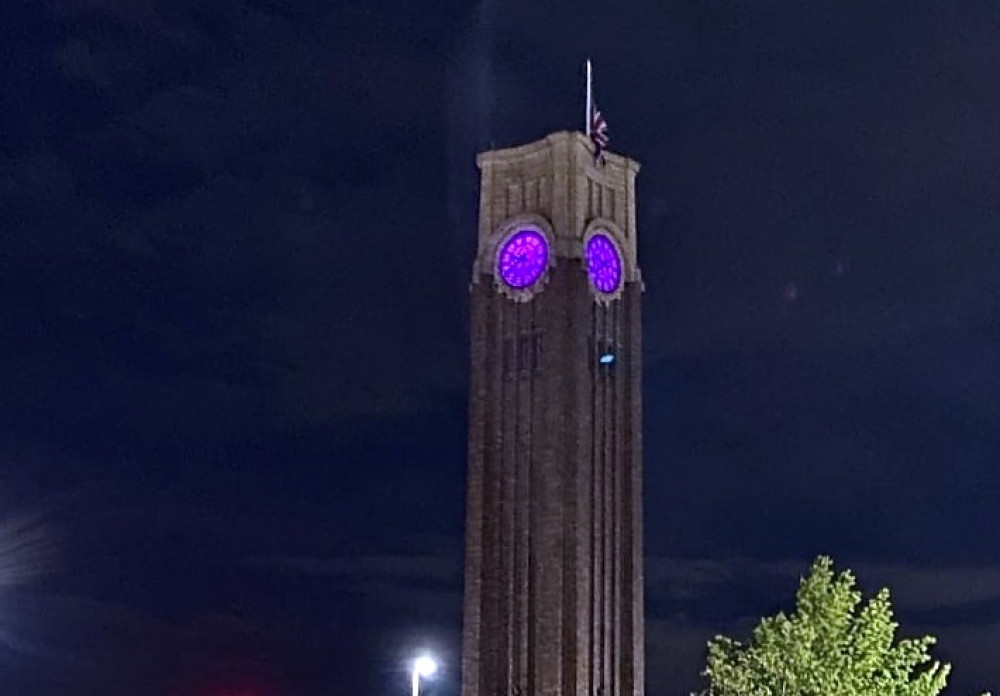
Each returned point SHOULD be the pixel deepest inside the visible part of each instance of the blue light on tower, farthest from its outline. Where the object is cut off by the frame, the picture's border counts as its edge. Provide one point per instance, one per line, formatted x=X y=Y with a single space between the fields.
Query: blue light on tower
x=607 y=359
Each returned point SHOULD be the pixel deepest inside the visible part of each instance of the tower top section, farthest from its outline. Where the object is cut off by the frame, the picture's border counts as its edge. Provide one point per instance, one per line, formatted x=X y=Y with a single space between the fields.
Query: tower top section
x=555 y=185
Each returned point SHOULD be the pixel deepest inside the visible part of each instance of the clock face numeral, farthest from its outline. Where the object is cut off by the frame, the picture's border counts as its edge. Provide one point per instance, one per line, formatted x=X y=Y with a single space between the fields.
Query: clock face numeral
x=523 y=258
x=604 y=263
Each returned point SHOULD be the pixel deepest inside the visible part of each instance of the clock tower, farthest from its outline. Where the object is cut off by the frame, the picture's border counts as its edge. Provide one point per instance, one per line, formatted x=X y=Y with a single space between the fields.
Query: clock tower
x=553 y=569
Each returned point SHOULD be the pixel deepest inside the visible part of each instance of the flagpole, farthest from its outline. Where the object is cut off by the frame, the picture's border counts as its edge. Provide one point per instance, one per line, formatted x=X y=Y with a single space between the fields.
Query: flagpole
x=590 y=100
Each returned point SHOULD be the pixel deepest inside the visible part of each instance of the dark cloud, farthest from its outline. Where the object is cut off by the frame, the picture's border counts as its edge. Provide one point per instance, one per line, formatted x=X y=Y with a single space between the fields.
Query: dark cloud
x=224 y=191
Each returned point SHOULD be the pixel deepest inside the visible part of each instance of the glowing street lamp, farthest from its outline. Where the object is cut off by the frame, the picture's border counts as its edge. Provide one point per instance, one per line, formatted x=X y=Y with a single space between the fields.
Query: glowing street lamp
x=423 y=666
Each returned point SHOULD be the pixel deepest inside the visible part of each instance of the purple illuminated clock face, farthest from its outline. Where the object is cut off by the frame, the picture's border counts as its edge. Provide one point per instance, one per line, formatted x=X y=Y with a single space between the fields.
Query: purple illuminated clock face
x=604 y=263
x=523 y=258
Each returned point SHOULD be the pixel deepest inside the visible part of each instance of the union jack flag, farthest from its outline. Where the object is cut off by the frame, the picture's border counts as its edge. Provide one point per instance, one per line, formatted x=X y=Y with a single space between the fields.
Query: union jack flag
x=599 y=135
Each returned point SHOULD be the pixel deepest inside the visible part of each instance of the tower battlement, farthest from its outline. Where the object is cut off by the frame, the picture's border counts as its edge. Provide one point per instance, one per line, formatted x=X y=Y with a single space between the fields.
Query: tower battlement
x=556 y=178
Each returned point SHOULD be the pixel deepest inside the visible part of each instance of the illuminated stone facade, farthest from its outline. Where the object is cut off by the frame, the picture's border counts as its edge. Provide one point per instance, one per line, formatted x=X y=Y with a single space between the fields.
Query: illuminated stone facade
x=553 y=574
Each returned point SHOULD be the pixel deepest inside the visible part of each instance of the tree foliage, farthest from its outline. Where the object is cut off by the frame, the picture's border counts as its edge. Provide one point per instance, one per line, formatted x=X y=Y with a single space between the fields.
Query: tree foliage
x=833 y=644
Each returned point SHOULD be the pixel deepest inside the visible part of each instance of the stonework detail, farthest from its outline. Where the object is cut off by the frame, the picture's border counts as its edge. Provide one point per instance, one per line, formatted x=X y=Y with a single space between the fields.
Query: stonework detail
x=571 y=192
x=553 y=574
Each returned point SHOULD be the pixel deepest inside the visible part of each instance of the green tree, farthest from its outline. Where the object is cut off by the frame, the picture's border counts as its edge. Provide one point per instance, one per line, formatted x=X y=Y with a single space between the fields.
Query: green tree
x=832 y=645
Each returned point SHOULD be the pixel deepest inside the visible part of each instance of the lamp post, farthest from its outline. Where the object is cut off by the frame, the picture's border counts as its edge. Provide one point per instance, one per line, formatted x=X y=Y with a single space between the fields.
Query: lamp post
x=423 y=666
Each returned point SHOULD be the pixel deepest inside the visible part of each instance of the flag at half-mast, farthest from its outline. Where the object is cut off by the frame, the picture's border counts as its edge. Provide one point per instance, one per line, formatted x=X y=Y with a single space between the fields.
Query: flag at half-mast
x=599 y=134
x=597 y=126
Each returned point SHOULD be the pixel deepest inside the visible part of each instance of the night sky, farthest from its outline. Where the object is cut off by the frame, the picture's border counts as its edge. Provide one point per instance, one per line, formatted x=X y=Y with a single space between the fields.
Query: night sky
x=235 y=245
